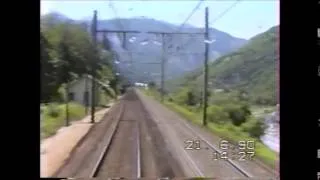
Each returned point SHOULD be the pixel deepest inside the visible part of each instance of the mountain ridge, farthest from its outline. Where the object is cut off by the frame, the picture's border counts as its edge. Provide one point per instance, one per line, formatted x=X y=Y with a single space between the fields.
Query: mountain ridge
x=187 y=45
x=251 y=69
x=88 y=19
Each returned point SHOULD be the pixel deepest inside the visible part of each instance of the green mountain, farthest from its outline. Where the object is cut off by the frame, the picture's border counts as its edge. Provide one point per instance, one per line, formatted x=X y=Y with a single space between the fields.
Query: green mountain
x=251 y=70
x=184 y=52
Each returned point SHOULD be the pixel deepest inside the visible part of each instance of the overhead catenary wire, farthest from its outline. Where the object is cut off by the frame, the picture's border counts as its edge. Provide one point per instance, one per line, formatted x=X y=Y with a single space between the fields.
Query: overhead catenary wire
x=116 y=14
x=120 y=24
x=191 y=14
x=154 y=53
x=181 y=26
x=224 y=12
x=218 y=17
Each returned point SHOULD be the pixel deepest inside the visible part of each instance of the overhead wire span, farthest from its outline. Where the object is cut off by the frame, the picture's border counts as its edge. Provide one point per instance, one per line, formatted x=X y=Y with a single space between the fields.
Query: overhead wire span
x=219 y=16
x=191 y=14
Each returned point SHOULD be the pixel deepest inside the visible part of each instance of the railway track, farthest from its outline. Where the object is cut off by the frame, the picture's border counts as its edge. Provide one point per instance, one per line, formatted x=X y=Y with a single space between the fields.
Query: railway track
x=123 y=145
x=245 y=170
x=134 y=148
x=126 y=143
x=232 y=163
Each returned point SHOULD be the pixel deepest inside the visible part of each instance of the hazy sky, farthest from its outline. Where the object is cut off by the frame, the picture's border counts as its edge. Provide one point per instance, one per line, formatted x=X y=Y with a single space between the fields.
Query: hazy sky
x=246 y=19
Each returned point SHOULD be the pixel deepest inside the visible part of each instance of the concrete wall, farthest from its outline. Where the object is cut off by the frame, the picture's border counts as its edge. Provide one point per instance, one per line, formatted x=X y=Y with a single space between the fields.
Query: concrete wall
x=78 y=89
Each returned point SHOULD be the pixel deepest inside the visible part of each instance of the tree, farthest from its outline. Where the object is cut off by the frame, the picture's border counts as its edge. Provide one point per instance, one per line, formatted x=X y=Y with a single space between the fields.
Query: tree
x=238 y=113
x=48 y=76
x=191 y=99
x=114 y=84
x=67 y=61
x=217 y=114
x=255 y=127
x=152 y=84
x=67 y=52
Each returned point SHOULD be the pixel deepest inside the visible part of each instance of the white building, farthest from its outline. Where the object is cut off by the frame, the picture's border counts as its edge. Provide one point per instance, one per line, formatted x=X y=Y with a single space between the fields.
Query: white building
x=80 y=90
x=137 y=84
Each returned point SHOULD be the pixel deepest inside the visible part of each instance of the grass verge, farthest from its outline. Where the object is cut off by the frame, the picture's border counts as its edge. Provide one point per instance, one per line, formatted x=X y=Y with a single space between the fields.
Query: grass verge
x=227 y=131
x=53 y=116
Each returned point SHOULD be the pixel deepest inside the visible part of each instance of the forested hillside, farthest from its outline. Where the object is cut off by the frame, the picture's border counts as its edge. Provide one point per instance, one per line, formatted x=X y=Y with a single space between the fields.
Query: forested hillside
x=251 y=70
x=242 y=87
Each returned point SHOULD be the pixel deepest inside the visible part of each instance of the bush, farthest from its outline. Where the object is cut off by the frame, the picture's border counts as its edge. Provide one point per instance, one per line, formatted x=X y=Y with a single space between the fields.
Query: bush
x=181 y=96
x=151 y=85
x=227 y=90
x=246 y=110
x=268 y=110
x=228 y=131
x=255 y=127
x=109 y=92
x=104 y=98
x=191 y=99
x=53 y=110
x=216 y=114
x=187 y=96
x=238 y=113
x=209 y=94
x=60 y=95
x=76 y=111
x=54 y=117
x=42 y=109
x=264 y=99
x=224 y=98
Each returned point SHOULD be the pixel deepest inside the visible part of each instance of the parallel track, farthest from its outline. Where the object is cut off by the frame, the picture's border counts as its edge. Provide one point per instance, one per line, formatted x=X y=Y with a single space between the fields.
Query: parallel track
x=231 y=162
x=235 y=165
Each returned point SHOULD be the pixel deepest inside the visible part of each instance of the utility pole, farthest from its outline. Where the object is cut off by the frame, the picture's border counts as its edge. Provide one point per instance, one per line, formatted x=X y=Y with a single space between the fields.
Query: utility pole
x=205 y=94
x=65 y=71
x=124 y=35
x=93 y=67
x=86 y=94
x=162 y=66
x=67 y=104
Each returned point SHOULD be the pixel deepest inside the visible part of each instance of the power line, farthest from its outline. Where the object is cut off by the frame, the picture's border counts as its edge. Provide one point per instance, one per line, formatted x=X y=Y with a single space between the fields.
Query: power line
x=154 y=53
x=180 y=27
x=147 y=32
x=219 y=16
x=191 y=14
x=224 y=12
x=120 y=25
x=116 y=14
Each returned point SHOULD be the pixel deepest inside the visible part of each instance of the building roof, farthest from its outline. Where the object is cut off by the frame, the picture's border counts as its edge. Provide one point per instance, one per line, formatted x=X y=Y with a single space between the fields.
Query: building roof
x=106 y=84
